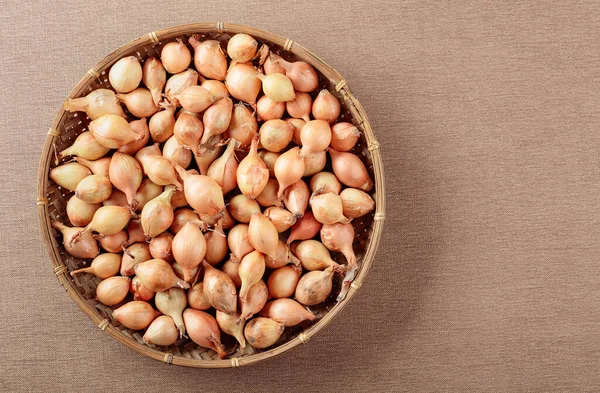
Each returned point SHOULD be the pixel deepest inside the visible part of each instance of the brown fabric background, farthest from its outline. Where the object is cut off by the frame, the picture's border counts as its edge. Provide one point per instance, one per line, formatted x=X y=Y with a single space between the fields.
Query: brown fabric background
x=487 y=276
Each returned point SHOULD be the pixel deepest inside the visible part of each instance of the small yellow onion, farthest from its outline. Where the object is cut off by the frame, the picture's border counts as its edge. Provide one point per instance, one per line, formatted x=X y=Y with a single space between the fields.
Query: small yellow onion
x=85 y=146
x=325 y=182
x=94 y=189
x=188 y=131
x=172 y=302
x=175 y=152
x=210 y=152
x=203 y=330
x=339 y=237
x=268 y=196
x=189 y=248
x=126 y=74
x=139 y=102
x=217 y=118
x=80 y=213
x=350 y=170
x=116 y=198
x=217 y=88
x=209 y=59
x=175 y=56
x=108 y=220
x=327 y=208
x=112 y=243
x=315 y=137
x=112 y=290
x=297 y=125
x=277 y=87
x=132 y=255
x=281 y=218
x=242 y=48
x=98 y=103
x=161 y=247
x=179 y=272
x=282 y=282
x=196 y=298
x=289 y=168
x=243 y=83
x=160 y=170
x=202 y=193
x=303 y=75
x=216 y=245
x=126 y=175
x=283 y=257
x=140 y=292
x=314 y=163
x=103 y=266
x=84 y=246
x=157 y=275
x=183 y=216
x=255 y=300
x=263 y=332
x=344 y=136
x=162 y=123
x=232 y=269
x=140 y=127
x=286 y=311
x=154 y=77
x=227 y=221
x=243 y=126
x=113 y=131
x=313 y=255
x=232 y=325
x=135 y=233
x=238 y=242
x=271 y=65
x=69 y=175
x=162 y=331
x=241 y=208
x=195 y=98
x=251 y=271
x=146 y=192
x=314 y=287
x=300 y=106
x=152 y=150
x=296 y=198
x=326 y=107
x=98 y=167
x=157 y=215
x=305 y=227
x=263 y=235
x=135 y=315
x=252 y=173
x=275 y=135
x=269 y=159
x=267 y=109
x=179 y=82
x=219 y=290
x=356 y=203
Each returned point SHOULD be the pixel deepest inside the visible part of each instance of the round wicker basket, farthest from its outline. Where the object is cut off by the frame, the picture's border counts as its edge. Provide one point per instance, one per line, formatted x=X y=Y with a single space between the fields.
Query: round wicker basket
x=51 y=199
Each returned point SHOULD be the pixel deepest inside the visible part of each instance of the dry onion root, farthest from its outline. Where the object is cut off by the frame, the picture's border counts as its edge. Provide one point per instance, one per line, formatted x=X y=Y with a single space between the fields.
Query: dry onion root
x=285 y=230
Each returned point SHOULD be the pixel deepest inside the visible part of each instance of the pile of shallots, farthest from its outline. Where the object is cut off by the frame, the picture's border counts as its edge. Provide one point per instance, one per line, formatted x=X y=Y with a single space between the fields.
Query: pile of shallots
x=202 y=216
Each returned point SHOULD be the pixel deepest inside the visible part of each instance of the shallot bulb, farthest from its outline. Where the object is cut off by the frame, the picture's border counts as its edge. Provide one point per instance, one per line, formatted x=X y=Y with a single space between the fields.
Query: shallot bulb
x=263 y=332
x=139 y=102
x=94 y=189
x=157 y=215
x=224 y=169
x=172 y=302
x=157 y=275
x=210 y=152
x=113 y=131
x=243 y=126
x=126 y=175
x=314 y=255
x=146 y=192
x=277 y=87
x=300 y=106
x=252 y=173
x=189 y=248
x=282 y=282
x=217 y=118
x=303 y=75
x=255 y=300
x=314 y=163
x=327 y=208
x=314 y=287
x=116 y=198
x=112 y=243
x=356 y=203
x=196 y=298
x=140 y=128
x=232 y=325
x=282 y=258
x=242 y=48
x=217 y=88
x=195 y=98
x=268 y=196
x=162 y=331
x=178 y=200
x=135 y=315
x=269 y=158
x=126 y=74
x=271 y=65
x=175 y=56
x=239 y=242
x=275 y=135
x=286 y=311
x=243 y=83
x=289 y=168
x=325 y=182
x=227 y=221
x=326 y=107
x=112 y=290
x=209 y=59
x=339 y=237
x=103 y=266
x=252 y=269
x=140 y=292
x=179 y=82
x=350 y=170
x=184 y=215
x=161 y=247
x=344 y=136
x=154 y=77
x=85 y=246
x=98 y=103
x=241 y=208
x=232 y=269
x=81 y=213
x=202 y=193
x=177 y=153
x=135 y=233
x=267 y=109
x=98 y=167
x=263 y=235
x=203 y=330
x=216 y=244
x=132 y=255
x=108 y=220
x=160 y=170
x=305 y=228
x=315 y=136
x=85 y=146
x=188 y=131
x=162 y=123
x=179 y=272
x=281 y=218
x=297 y=125
x=296 y=198
x=145 y=152
x=219 y=290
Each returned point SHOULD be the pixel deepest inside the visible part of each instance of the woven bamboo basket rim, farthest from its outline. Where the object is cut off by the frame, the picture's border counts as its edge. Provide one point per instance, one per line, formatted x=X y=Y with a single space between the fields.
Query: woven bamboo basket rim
x=357 y=112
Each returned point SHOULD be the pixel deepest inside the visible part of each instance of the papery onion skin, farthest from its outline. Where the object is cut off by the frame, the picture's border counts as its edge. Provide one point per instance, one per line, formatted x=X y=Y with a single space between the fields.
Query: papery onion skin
x=116 y=198
x=232 y=325
x=112 y=290
x=175 y=152
x=286 y=311
x=125 y=173
x=314 y=287
x=269 y=158
x=147 y=192
x=98 y=167
x=94 y=189
x=188 y=131
x=162 y=331
x=277 y=87
x=296 y=198
x=241 y=208
x=189 y=248
x=195 y=98
x=238 y=242
x=161 y=247
x=113 y=131
x=243 y=125
x=216 y=87
x=282 y=282
x=139 y=102
x=184 y=215
x=315 y=136
x=252 y=173
x=297 y=125
x=103 y=266
x=325 y=182
x=243 y=83
x=350 y=170
x=85 y=146
x=242 y=47
x=141 y=129
x=157 y=215
x=313 y=255
x=232 y=269
x=69 y=175
x=326 y=107
x=176 y=57
x=126 y=74
x=356 y=203
x=97 y=103
x=216 y=244
x=255 y=300
x=281 y=218
x=157 y=275
x=179 y=82
x=216 y=118
x=270 y=65
x=305 y=228
x=202 y=193
x=219 y=290
x=140 y=292
x=154 y=77
x=84 y=246
x=327 y=208
x=267 y=109
x=135 y=315
x=289 y=168
x=263 y=235
x=209 y=58
x=282 y=258
x=81 y=213
x=132 y=255
x=161 y=124
x=314 y=163
x=252 y=269
x=300 y=106
x=302 y=75
x=172 y=302
x=196 y=298
x=344 y=136
x=112 y=243
x=275 y=135
x=263 y=332
x=203 y=329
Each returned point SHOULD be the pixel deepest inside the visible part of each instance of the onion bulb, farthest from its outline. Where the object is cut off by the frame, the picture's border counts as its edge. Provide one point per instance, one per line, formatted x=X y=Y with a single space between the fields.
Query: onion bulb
x=243 y=126
x=135 y=233
x=81 y=213
x=269 y=158
x=286 y=311
x=356 y=203
x=162 y=123
x=314 y=163
x=69 y=175
x=315 y=136
x=154 y=77
x=327 y=208
x=195 y=98
x=203 y=330
x=275 y=135
x=112 y=290
x=184 y=215
x=85 y=146
x=103 y=266
x=126 y=175
x=217 y=88
x=241 y=208
x=98 y=167
x=263 y=235
x=305 y=228
x=140 y=292
x=289 y=169
x=85 y=246
x=297 y=125
x=281 y=218
x=112 y=243
x=126 y=74
x=300 y=106
x=325 y=182
x=160 y=170
x=217 y=118
x=98 y=103
x=296 y=198
x=252 y=173
x=210 y=152
x=271 y=65
x=189 y=248
x=242 y=48
x=202 y=193
x=94 y=189
x=132 y=255
x=116 y=198
x=196 y=298
x=172 y=302
x=143 y=153
x=141 y=129
x=157 y=215
x=282 y=258
x=314 y=287
x=243 y=83
x=188 y=131
x=303 y=75
x=139 y=102
x=314 y=255
x=238 y=242
x=277 y=87
x=232 y=269
x=179 y=82
x=209 y=59
x=216 y=244
x=268 y=196
x=339 y=237
x=252 y=269
x=175 y=56
x=326 y=107
x=135 y=315
x=219 y=290
x=232 y=325
x=255 y=300
x=161 y=247
x=113 y=131
x=179 y=272
x=175 y=152
x=282 y=282
x=263 y=332
x=267 y=109
x=108 y=220
x=350 y=170
x=157 y=275
x=162 y=331
x=146 y=192
x=344 y=136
